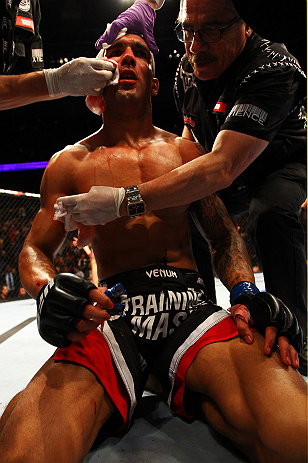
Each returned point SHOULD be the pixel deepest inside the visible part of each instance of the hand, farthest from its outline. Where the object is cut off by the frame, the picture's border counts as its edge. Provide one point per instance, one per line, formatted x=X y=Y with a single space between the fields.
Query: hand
x=93 y=315
x=79 y=77
x=96 y=103
x=288 y=354
x=139 y=17
x=65 y=312
x=97 y=207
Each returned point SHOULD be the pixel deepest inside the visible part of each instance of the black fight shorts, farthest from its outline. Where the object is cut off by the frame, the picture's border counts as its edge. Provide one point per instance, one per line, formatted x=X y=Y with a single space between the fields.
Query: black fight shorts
x=167 y=319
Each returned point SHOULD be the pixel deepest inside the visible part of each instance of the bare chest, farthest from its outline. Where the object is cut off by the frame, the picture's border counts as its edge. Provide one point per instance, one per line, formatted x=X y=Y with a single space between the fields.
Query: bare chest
x=122 y=166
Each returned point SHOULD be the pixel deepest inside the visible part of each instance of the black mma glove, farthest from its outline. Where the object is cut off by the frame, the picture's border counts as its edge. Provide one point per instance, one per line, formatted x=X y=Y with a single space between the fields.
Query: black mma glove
x=267 y=310
x=59 y=302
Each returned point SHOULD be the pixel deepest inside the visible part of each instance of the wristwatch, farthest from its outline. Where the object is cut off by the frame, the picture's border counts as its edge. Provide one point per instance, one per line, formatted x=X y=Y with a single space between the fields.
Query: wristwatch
x=135 y=203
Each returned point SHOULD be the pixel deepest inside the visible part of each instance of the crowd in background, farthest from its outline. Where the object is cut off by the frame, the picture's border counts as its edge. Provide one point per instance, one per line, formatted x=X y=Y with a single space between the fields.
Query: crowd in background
x=70 y=259
x=17 y=213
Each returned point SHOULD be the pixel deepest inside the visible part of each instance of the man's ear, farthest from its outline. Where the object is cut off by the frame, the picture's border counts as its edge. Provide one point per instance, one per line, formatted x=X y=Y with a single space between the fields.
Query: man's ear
x=155 y=86
x=248 y=31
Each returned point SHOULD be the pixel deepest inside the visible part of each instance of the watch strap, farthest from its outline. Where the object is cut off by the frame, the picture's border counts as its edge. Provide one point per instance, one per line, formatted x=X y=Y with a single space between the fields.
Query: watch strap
x=135 y=204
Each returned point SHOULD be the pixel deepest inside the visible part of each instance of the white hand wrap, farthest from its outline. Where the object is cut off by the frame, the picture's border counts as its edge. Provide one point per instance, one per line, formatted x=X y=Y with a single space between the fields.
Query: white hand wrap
x=79 y=77
x=97 y=207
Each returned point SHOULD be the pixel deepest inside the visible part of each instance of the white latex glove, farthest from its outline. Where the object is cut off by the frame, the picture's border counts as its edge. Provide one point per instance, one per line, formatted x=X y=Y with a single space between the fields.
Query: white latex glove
x=96 y=103
x=79 y=77
x=100 y=205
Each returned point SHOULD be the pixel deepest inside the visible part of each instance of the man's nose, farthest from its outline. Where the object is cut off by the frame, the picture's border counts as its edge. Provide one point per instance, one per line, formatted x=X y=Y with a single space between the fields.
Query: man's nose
x=128 y=57
x=197 y=44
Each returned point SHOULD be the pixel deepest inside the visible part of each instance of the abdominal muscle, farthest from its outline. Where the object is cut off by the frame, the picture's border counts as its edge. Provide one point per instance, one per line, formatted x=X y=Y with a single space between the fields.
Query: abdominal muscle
x=154 y=238
x=127 y=244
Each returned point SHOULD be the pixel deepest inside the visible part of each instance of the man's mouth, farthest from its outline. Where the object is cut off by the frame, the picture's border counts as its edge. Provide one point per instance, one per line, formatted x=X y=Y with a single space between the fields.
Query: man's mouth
x=201 y=60
x=128 y=74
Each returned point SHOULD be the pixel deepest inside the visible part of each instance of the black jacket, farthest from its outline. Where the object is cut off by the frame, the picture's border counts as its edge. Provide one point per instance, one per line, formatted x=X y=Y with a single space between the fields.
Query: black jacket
x=260 y=94
x=21 y=43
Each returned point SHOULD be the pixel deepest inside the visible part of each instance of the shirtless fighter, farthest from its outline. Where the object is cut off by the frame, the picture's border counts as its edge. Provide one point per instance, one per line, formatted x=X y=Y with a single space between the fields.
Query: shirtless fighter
x=169 y=327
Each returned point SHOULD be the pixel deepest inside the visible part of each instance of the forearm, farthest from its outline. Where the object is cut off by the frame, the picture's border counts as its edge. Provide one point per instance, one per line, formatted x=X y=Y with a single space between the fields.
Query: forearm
x=230 y=258
x=192 y=181
x=22 y=89
x=232 y=153
x=231 y=262
x=35 y=269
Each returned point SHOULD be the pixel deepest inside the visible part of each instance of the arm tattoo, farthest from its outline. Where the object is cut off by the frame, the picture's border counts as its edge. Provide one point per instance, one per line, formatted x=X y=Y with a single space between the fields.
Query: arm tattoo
x=45 y=264
x=200 y=149
x=230 y=256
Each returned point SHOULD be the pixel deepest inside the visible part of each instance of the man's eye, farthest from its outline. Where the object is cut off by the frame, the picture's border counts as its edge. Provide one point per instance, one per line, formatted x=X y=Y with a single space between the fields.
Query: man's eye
x=142 y=54
x=210 y=29
x=114 y=53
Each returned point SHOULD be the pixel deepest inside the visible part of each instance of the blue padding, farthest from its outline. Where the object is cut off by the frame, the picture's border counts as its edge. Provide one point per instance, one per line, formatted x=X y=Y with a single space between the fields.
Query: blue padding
x=243 y=287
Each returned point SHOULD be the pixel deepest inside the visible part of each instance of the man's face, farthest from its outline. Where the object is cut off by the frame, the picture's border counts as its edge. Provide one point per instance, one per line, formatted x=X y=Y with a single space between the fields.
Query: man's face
x=210 y=60
x=5 y=290
x=134 y=61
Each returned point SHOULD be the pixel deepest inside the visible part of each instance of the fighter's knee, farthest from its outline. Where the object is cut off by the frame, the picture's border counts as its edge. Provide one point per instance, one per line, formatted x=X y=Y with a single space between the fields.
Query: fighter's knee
x=8 y=410
x=12 y=439
x=283 y=442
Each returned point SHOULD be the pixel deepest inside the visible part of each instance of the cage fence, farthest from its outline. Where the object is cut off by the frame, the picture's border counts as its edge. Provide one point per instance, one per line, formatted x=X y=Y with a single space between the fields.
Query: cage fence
x=17 y=211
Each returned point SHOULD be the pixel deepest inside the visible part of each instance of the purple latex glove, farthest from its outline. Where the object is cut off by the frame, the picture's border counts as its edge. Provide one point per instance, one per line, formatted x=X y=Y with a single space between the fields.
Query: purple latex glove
x=139 y=18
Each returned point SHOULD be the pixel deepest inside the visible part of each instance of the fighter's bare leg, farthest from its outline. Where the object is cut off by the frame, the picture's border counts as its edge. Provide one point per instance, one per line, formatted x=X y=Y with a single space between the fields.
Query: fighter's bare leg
x=56 y=418
x=252 y=399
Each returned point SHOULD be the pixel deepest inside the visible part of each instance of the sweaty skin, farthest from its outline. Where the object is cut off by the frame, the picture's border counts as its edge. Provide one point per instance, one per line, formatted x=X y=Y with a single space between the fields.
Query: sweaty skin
x=143 y=240
x=245 y=395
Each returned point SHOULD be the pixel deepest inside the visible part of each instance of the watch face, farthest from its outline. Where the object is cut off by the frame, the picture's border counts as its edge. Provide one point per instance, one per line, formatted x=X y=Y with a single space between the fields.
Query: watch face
x=136 y=209
x=135 y=203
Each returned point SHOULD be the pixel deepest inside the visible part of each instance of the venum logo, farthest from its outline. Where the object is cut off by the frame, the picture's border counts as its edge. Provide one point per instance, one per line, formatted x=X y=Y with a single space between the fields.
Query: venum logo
x=161 y=273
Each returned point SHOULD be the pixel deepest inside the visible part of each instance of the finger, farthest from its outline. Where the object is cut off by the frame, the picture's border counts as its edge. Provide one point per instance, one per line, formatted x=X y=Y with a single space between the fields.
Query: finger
x=294 y=357
x=101 y=77
x=284 y=349
x=244 y=330
x=98 y=295
x=94 y=91
x=103 y=64
x=86 y=324
x=109 y=35
x=69 y=200
x=77 y=335
x=97 y=312
x=71 y=209
x=270 y=337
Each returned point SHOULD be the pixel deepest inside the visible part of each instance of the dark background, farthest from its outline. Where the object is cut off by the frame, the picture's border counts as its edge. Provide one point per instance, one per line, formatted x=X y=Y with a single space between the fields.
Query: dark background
x=69 y=29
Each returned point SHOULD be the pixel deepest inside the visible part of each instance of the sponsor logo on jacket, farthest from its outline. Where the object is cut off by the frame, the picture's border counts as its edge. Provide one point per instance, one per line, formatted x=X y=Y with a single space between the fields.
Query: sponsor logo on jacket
x=189 y=121
x=250 y=111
